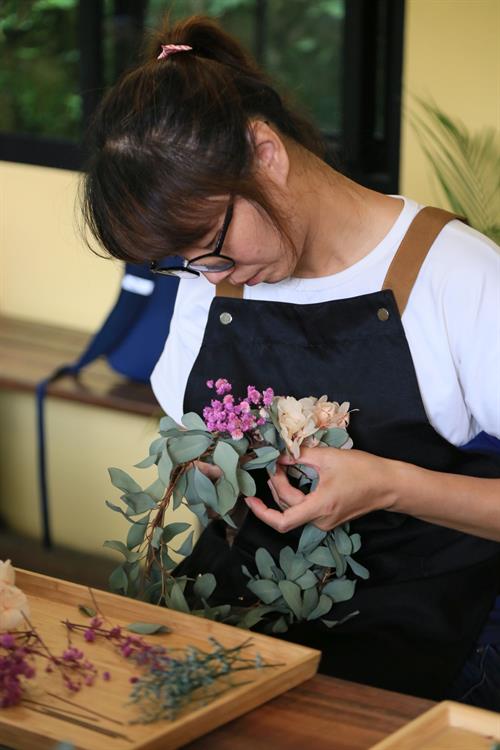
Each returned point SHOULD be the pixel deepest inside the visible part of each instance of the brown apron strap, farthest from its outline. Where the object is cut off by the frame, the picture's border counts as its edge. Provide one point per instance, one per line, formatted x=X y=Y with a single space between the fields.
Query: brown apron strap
x=412 y=252
x=225 y=289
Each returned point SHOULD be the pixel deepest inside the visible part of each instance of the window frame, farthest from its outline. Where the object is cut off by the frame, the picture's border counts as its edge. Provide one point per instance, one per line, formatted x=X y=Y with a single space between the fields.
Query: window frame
x=358 y=152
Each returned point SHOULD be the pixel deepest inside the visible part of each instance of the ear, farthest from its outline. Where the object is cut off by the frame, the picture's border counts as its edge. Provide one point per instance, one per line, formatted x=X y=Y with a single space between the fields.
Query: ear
x=271 y=156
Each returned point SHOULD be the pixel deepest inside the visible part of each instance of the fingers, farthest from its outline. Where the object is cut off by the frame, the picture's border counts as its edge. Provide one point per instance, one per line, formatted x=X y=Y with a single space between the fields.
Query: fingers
x=290 y=518
x=309 y=456
x=282 y=491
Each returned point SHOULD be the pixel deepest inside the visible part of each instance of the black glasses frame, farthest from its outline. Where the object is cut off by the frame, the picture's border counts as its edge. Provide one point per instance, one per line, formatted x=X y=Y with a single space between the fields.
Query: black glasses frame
x=189 y=270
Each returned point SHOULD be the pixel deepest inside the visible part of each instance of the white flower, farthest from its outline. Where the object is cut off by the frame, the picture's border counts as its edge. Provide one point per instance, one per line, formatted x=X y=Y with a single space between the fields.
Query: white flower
x=328 y=414
x=7 y=573
x=13 y=606
x=295 y=418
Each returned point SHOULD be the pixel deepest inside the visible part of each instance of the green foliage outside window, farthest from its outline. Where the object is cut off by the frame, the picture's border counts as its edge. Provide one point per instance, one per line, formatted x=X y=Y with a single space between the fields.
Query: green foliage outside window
x=40 y=55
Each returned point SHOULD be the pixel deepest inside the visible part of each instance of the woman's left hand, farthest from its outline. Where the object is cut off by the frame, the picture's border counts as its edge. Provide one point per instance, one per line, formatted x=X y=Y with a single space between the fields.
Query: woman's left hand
x=351 y=484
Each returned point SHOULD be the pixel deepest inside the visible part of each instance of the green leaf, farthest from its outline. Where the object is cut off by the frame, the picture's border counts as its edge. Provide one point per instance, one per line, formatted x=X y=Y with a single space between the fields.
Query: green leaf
x=340 y=589
x=227 y=459
x=123 y=481
x=280 y=626
x=165 y=468
x=146 y=462
x=157 y=446
x=170 y=531
x=134 y=571
x=156 y=538
x=266 y=591
x=226 y=495
x=87 y=611
x=188 y=447
x=193 y=421
x=264 y=562
x=358 y=569
x=324 y=605
x=147 y=628
x=335 y=437
x=136 y=533
x=205 y=490
x=299 y=566
x=356 y=543
x=342 y=541
x=268 y=432
x=287 y=556
x=138 y=502
x=307 y=580
x=167 y=423
x=187 y=546
x=177 y=600
x=291 y=594
x=340 y=563
x=246 y=483
x=264 y=456
x=179 y=491
x=121 y=547
x=322 y=556
x=118 y=581
x=200 y=511
x=310 y=538
x=167 y=561
x=253 y=616
x=204 y=586
x=156 y=490
x=117 y=509
x=310 y=600
x=240 y=446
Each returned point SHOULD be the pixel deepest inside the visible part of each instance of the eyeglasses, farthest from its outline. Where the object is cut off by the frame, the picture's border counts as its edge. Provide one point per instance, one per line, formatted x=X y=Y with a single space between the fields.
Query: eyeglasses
x=210 y=263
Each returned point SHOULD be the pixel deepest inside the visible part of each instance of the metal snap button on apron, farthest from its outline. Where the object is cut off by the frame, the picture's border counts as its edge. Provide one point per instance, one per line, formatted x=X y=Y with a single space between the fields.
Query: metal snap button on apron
x=225 y=318
x=383 y=313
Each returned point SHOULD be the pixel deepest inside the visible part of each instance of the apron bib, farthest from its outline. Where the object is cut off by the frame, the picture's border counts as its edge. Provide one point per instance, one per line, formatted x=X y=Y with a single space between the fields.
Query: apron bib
x=430 y=588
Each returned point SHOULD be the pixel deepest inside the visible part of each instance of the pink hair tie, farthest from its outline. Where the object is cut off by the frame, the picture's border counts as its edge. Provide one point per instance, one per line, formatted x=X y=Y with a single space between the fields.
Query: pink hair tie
x=171 y=49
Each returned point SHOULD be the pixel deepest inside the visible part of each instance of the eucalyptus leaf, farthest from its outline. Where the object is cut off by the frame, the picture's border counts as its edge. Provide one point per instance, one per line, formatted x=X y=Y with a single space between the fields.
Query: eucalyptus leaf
x=278 y=574
x=170 y=531
x=266 y=591
x=167 y=561
x=201 y=513
x=136 y=533
x=291 y=594
x=227 y=519
x=157 y=446
x=177 y=600
x=147 y=628
x=138 y=502
x=298 y=567
x=226 y=496
x=310 y=538
x=146 y=462
x=335 y=437
x=188 y=447
x=123 y=481
x=268 y=432
x=340 y=563
x=156 y=538
x=227 y=459
x=322 y=608
x=193 y=421
x=134 y=571
x=87 y=611
x=205 y=585
x=167 y=423
x=356 y=543
x=265 y=563
x=179 y=491
x=118 y=510
x=307 y=580
x=240 y=446
x=322 y=556
x=287 y=556
x=280 y=626
x=118 y=581
x=310 y=600
x=156 y=490
x=254 y=616
x=358 y=569
x=165 y=466
x=205 y=490
x=340 y=589
x=246 y=483
x=187 y=546
x=342 y=541
x=264 y=456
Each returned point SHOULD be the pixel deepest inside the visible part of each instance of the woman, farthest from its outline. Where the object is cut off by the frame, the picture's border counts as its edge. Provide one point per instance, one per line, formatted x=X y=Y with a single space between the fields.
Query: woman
x=301 y=280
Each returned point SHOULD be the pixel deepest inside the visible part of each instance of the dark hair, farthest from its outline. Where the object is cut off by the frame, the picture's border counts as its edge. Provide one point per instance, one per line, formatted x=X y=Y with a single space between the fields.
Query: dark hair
x=172 y=135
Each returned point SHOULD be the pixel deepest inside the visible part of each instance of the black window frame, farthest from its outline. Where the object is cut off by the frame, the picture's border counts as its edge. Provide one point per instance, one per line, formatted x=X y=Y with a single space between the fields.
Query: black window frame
x=370 y=158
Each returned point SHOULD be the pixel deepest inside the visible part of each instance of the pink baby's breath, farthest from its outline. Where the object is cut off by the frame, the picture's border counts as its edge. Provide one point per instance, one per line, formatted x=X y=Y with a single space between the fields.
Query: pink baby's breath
x=237 y=418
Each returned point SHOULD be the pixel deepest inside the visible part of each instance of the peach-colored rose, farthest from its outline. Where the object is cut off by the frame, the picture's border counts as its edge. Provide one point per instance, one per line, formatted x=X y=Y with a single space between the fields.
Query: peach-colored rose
x=295 y=421
x=7 y=573
x=328 y=414
x=13 y=606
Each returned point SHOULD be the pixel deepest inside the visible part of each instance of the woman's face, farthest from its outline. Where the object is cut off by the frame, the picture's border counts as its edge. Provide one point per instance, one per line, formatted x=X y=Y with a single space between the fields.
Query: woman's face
x=260 y=253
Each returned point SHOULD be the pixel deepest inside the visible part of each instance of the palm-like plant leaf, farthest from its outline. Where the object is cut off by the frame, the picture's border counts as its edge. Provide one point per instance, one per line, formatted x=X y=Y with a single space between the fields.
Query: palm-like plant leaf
x=467 y=166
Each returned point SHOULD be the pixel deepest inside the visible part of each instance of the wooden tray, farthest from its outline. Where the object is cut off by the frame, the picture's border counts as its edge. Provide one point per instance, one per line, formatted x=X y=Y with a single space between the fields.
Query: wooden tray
x=103 y=709
x=447 y=726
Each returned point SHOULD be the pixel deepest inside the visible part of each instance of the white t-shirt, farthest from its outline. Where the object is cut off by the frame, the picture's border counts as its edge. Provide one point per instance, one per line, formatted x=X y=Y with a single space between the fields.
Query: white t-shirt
x=452 y=323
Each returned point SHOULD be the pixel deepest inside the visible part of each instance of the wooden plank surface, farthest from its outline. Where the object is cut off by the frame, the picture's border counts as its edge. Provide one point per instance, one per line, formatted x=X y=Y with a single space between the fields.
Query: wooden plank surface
x=31 y=351
x=101 y=713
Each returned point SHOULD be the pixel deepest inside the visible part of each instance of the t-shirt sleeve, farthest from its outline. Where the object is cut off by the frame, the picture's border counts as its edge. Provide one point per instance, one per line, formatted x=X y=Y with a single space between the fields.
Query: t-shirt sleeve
x=471 y=308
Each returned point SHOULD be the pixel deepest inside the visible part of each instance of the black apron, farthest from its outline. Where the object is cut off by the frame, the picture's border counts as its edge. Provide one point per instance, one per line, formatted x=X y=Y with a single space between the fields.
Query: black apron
x=430 y=588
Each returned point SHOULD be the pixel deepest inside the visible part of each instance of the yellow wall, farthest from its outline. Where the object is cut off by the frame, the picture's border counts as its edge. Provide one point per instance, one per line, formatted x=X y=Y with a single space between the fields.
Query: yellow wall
x=452 y=54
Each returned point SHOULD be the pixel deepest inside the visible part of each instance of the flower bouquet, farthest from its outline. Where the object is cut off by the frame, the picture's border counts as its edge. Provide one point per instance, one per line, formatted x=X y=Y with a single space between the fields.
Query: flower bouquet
x=236 y=436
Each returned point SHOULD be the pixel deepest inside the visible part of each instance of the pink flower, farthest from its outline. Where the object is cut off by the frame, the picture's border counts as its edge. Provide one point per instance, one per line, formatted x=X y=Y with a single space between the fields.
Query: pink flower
x=328 y=414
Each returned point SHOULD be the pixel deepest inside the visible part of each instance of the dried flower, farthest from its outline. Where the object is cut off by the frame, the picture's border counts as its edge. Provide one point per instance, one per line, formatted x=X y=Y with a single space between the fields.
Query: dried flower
x=7 y=573
x=295 y=417
x=14 y=607
x=328 y=414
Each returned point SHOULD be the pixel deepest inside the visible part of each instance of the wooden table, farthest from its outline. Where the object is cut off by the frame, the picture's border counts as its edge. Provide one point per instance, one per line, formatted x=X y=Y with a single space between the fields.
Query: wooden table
x=322 y=713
